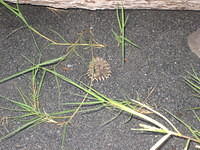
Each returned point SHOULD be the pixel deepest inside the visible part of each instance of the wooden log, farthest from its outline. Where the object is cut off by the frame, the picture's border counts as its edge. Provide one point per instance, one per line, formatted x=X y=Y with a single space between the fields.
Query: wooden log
x=113 y=4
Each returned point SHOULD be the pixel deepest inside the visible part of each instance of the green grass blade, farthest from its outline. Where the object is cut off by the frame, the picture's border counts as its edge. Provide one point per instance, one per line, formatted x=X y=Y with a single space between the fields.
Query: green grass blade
x=194 y=108
x=82 y=96
x=39 y=52
x=27 y=125
x=193 y=81
x=135 y=113
x=19 y=104
x=16 y=110
x=130 y=42
x=23 y=96
x=16 y=11
x=19 y=118
x=64 y=136
x=191 y=129
x=126 y=20
x=160 y=142
x=187 y=145
x=27 y=59
x=193 y=85
x=85 y=103
x=41 y=83
x=17 y=74
x=159 y=114
x=73 y=110
x=118 y=19
x=48 y=62
x=24 y=106
x=198 y=117
x=117 y=37
x=111 y=102
x=123 y=35
x=59 y=35
x=149 y=128
x=73 y=83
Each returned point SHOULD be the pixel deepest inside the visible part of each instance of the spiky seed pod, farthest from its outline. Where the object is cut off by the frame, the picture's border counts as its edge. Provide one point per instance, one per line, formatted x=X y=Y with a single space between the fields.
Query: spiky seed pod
x=99 y=69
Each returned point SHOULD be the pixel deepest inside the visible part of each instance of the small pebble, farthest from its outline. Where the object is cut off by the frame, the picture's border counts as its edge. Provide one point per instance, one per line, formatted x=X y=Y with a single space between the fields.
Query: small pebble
x=194 y=42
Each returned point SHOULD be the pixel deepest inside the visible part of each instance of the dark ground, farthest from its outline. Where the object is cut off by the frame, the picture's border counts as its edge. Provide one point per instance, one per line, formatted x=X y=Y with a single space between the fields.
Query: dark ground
x=161 y=62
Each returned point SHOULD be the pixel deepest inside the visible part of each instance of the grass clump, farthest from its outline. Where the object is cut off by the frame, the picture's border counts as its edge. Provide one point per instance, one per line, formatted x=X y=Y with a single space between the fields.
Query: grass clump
x=16 y=11
x=39 y=116
x=121 y=37
x=193 y=81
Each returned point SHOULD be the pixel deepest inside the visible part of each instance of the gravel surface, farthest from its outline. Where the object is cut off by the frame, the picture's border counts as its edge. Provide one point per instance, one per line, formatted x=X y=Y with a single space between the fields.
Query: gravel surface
x=161 y=63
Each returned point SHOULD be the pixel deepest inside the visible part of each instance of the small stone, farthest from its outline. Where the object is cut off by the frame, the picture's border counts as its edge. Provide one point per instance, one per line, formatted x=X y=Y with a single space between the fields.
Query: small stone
x=194 y=42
